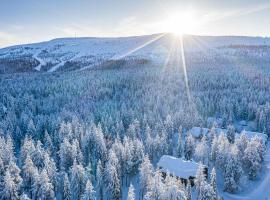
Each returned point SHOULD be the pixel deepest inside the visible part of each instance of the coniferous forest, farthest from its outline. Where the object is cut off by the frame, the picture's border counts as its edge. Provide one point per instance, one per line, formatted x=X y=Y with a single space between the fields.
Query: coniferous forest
x=98 y=134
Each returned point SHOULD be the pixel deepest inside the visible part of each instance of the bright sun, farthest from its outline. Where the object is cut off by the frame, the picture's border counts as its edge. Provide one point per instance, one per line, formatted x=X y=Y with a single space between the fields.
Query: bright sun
x=182 y=23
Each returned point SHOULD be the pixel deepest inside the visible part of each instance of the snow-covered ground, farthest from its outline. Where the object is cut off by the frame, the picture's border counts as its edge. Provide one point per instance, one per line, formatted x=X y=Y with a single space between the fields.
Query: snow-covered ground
x=58 y=51
x=41 y=61
x=257 y=189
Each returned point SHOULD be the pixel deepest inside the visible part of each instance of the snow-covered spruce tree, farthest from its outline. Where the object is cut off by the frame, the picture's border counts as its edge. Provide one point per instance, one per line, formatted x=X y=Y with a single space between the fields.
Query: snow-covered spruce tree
x=24 y=197
x=169 y=129
x=111 y=181
x=173 y=189
x=231 y=133
x=233 y=171
x=100 y=150
x=77 y=182
x=127 y=154
x=37 y=155
x=179 y=148
x=223 y=151
x=188 y=191
x=50 y=167
x=29 y=174
x=31 y=129
x=252 y=158
x=261 y=146
x=213 y=183
x=131 y=193
x=45 y=190
x=146 y=173
x=99 y=180
x=120 y=130
x=214 y=150
x=241 y=143
x=189 y=147
x=15 y=171
x=48 y=144
x=156 y=188
x=9 y=189
x=65 y=154
x=26 y=149
x=66 y=193
x=2 y=169
x=211 y=135
x=206 y=192
x=8 y=154
x=200 y=178
x=202 y=151
x=89 y=193
x=136 y=155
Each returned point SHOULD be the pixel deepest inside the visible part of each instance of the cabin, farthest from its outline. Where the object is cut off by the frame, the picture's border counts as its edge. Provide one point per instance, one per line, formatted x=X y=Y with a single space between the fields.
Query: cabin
x=251 y=134
x=181 y=169
x=198 y=133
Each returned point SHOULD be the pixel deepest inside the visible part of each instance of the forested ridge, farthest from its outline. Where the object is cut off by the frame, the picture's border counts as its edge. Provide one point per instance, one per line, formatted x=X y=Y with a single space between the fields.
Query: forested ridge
x=87 y=134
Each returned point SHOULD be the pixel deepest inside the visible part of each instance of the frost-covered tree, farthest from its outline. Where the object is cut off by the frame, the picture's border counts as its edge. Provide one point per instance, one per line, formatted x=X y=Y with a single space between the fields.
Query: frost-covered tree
x=45 y=190
x=9 y=189
x=233 y=171
x=77 y=182
x=179 y=148
x=66 y=193
x=146 y=173
x=24 y=197
x=29 y=174
x=252 y=158
x=188 y=191
x=202 y=151
x=111 y=181
x=15 y=171
x=213 y=183
x=89 y=193
x=214 y=150
x=99 y=179
x=189 y=147
x=200 y=178
x=173 y=189
x=241 y=143
x=156 y=188
x=206 y=192
x=223 y=150
x=231 y=134
x=131 y=194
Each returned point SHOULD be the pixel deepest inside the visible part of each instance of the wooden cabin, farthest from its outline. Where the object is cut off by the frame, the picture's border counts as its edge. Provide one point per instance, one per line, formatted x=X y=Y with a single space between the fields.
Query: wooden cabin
x=181 y=169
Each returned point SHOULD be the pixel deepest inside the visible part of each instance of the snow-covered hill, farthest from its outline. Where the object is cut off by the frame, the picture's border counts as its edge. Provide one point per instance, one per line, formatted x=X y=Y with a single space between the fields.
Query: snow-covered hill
x=83 y=53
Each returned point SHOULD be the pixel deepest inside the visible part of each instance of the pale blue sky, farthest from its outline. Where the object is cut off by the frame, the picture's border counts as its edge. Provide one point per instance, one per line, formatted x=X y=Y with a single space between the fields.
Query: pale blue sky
x=25 y=21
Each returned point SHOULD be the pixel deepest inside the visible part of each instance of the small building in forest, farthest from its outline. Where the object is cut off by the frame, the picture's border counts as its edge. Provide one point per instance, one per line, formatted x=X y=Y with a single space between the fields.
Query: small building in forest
x=181 y=169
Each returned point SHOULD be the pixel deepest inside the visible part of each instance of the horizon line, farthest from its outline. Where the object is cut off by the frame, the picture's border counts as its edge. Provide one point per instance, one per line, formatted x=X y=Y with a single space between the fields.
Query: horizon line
x=130 y=36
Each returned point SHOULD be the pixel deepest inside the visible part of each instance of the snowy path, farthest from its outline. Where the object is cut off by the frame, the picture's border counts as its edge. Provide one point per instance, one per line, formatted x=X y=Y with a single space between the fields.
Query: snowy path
x=62 y=63
x=261 y=190
x=54 y=68
x=41 y=62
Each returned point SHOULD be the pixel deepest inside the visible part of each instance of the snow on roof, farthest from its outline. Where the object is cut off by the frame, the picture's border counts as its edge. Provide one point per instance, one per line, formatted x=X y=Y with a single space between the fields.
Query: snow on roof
x=221 y=130
x=251 y=134
x=177 y=166
x=212 y=120
x=198 y=131
x=243 y=123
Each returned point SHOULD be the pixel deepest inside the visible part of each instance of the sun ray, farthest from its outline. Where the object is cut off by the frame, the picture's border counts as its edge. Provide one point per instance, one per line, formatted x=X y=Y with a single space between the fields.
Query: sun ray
x=185 y=69
x=118 y=57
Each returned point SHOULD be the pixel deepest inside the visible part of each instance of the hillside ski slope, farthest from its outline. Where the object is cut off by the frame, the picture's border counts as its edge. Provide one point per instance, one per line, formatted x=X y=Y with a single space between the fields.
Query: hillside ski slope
x=83 y=53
